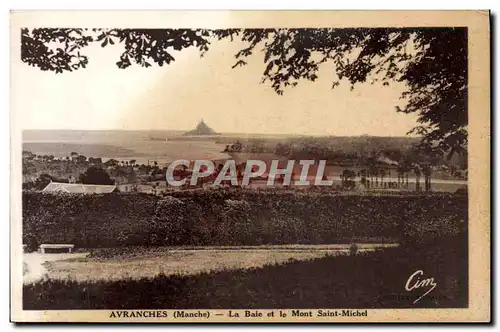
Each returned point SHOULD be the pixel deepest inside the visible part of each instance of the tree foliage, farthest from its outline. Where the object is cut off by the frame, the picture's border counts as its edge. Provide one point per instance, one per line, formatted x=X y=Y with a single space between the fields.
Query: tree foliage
x=96 y=175
x=430 y=62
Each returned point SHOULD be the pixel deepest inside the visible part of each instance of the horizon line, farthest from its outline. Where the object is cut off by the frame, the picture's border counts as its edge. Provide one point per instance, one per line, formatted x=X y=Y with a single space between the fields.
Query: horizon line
x=218 y=133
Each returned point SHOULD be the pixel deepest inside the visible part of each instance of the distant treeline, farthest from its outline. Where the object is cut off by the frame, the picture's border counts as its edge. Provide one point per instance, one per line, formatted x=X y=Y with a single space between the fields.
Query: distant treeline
x=359 y=150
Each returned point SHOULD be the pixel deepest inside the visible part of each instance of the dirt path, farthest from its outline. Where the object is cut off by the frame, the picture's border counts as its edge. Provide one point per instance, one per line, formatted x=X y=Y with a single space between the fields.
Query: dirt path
x=33 y=264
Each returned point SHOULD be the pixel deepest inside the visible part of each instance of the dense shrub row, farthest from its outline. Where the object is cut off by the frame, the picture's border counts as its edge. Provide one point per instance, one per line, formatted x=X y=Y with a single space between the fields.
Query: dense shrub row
x=86 y=220
x=238 y=217
x=374 y=280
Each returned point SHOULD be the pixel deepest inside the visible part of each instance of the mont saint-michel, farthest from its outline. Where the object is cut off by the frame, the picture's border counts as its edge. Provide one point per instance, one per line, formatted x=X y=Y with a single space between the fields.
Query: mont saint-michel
x=202 y=129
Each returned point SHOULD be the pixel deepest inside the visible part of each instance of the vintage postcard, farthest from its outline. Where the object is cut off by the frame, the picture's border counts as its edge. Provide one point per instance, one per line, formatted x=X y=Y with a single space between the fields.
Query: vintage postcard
x=250 y=166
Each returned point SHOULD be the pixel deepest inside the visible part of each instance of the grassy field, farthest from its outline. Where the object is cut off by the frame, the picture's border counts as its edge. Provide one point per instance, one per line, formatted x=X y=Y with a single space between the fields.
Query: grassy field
x=137 y=263
x=169 y=263
x=368 y=280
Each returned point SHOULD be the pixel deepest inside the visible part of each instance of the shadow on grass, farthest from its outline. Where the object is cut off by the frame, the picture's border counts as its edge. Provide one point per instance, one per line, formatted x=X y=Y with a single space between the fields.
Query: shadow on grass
x=372 y=280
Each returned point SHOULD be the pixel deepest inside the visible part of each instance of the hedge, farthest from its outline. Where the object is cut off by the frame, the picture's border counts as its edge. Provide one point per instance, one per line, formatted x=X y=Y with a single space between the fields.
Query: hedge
x=238 y=217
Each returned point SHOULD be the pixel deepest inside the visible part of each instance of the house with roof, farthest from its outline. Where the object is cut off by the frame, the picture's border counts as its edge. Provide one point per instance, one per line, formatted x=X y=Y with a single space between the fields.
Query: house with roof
x=79 y=188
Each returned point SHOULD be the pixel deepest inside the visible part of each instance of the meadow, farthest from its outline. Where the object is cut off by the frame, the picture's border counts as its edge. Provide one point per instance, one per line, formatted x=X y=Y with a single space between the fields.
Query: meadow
x=146 y=262
x=365 y=280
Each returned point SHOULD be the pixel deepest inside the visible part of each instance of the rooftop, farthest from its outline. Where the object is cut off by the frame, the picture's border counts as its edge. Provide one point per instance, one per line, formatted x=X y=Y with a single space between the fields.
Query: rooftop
x=79 y=188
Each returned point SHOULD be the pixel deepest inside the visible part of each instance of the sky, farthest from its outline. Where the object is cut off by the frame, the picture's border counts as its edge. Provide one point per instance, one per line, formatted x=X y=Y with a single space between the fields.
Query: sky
x=177 y=96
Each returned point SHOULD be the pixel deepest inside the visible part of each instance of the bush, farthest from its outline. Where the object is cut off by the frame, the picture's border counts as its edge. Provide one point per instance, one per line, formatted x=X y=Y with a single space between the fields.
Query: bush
x=239 y=217
x=31 y=242
x=99 y=220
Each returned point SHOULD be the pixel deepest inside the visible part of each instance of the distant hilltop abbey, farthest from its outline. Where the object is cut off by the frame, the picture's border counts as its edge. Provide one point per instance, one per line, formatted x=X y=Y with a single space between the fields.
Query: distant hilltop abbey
x=201 y=129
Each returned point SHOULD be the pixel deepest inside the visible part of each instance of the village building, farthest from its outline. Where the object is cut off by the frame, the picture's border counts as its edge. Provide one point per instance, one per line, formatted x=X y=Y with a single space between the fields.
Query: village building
x=79 y=188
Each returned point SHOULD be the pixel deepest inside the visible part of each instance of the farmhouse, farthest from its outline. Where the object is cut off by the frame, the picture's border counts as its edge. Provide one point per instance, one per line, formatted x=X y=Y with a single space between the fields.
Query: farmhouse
x=78 y=188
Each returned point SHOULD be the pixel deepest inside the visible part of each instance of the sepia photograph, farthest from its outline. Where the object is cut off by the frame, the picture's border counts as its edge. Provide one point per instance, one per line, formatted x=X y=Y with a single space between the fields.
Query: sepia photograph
x=246 y=166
